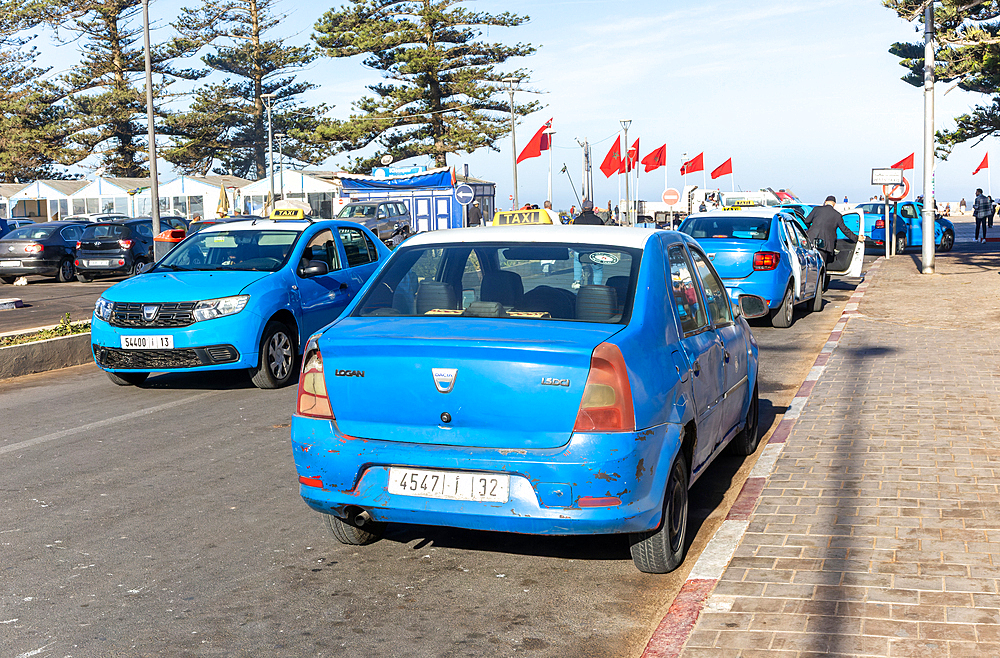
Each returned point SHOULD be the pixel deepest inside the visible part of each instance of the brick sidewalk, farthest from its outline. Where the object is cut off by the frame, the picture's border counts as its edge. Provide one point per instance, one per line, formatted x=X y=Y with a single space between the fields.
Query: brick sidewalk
x=878 y=530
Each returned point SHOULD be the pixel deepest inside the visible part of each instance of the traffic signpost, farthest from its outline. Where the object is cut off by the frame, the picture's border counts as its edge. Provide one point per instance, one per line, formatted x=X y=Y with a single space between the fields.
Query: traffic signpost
x=670 y=197
x=894 y=188
x=464 y=194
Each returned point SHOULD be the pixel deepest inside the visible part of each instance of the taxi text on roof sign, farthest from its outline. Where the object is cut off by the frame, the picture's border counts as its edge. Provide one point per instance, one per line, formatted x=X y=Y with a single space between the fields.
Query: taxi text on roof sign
x=512 y=217
x=288 y=213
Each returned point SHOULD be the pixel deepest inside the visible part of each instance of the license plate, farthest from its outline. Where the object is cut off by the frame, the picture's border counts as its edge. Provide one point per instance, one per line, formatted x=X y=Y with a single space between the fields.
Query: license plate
x=147 y=342
x=449 y=485
x=10 y=263
x=99 y=263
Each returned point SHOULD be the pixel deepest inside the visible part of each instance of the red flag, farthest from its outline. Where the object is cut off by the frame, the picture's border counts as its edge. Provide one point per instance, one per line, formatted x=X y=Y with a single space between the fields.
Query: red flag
x=723 y=169
x=632 y=157
x=613 y=160
x=656 y=159
x=984 y=164
x=697 y=163
x=905 y=163
x=538 y=143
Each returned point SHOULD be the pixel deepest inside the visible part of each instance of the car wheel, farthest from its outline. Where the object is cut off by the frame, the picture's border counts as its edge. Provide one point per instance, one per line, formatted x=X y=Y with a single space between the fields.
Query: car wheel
x=748 y=439
x=8 y=279
x=817 y=303
x=84 y=278
x=947 y=241
x=662 y=550
x=276 y=366
x=66 y=271
x=353 y=535
x=128 y=378
x=900 y=243
x=782 y=316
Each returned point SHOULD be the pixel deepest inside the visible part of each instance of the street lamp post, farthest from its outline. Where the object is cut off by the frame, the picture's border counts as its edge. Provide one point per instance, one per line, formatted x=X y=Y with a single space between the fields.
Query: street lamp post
x=510 y=82
x=628 y=202
x=927 y=249
x=159 y=248
x=268 y=98
x=281 y=162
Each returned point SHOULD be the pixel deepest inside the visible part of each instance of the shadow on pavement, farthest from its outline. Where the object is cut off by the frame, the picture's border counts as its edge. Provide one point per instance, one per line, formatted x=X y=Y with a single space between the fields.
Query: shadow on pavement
x=223 y=380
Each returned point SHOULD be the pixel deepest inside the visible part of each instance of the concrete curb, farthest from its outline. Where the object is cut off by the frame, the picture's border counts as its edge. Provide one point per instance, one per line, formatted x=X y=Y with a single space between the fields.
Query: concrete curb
x=44 y=355
x=674 y=630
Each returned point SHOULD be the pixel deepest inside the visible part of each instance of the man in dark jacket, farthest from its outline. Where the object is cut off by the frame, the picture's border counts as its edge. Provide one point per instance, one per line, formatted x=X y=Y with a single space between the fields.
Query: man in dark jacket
x=475 y=214
x=588 y=216
x=823 y=223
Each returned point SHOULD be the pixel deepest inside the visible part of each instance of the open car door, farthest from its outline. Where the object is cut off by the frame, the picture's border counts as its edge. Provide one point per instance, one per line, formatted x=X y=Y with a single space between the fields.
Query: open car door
x=850 y=256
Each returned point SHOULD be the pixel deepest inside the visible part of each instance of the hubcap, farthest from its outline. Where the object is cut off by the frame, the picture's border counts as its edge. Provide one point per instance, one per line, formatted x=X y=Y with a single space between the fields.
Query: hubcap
x=67 y=269
x=675 y=515
x=788 y=307
x=279 y=355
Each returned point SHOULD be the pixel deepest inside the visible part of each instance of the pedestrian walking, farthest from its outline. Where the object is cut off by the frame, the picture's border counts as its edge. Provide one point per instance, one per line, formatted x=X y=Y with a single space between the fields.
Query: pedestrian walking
x=702 y=207
x=823 y=223
x=475 y=214
x=845 y=198
x=981 y=210
x=961 y=206
x=572 y=212
x=553 y=215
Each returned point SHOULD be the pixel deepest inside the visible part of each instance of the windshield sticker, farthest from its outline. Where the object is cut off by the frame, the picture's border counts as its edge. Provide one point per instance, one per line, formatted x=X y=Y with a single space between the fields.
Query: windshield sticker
x=219 y=238
x=604 y=258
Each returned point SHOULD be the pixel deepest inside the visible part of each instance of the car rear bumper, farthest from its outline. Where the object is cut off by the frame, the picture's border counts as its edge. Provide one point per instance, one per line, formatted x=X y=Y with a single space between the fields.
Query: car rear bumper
x=44 y=267
x=116 y=263
x=769 y=289
x=550 y=490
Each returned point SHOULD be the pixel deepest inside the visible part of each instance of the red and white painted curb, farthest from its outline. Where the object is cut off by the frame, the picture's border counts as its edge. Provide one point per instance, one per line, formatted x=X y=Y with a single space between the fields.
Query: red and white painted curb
x=695 y=595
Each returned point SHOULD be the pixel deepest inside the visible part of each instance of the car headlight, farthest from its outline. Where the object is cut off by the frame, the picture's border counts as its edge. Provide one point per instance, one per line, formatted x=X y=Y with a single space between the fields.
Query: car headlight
x=103 y=308
x=217 y=308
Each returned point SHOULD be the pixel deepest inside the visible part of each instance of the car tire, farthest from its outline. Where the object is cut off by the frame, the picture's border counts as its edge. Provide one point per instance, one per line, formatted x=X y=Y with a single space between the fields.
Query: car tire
x=128 y=378
x=748 y=439
x=817 y=301
x=8 y=279
x=276 y=366
x=781 y=317
x=66 y=271
x=352 y=535
x=662 y=550
x=900 y=243
x=947 y=241
x=84 y=278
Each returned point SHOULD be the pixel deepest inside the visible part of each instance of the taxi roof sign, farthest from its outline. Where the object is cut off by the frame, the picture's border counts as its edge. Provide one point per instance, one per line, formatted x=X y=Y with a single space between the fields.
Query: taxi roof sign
x=515 y=217
x=288 y=213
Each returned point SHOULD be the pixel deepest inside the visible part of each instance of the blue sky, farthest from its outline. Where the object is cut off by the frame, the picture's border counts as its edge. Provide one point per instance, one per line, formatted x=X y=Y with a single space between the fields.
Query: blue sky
x=801 y=94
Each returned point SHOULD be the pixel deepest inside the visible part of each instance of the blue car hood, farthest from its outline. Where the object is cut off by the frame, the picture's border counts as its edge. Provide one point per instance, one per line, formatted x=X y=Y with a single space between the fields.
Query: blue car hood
x=379 y=376
x=182 y=286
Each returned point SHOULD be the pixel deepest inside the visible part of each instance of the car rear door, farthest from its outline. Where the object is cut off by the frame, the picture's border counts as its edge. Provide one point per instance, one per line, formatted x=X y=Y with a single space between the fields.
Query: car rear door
x=360 y=256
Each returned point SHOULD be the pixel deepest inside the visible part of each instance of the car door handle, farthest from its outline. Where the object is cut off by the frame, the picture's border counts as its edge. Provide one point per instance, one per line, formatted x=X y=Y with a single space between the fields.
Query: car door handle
x=696 y=367
x=343 y=286
x=725 y=354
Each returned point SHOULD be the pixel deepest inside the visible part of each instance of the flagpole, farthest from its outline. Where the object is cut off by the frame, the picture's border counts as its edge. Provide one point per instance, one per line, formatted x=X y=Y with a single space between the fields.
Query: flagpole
x=989 y=182
x=550 y=132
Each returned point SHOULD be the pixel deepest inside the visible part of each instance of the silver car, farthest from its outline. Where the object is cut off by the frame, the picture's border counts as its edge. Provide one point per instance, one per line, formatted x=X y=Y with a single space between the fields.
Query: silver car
x=389 y=220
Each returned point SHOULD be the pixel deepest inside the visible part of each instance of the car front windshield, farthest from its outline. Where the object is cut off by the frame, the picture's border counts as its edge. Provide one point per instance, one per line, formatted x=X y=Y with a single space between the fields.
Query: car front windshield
x=733 y=226
x=521 y=281
x=257 y=250
x=30 y=233
x=357 y=211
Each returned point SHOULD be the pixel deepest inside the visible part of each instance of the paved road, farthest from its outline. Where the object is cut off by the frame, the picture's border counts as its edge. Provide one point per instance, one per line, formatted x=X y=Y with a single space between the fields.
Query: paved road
x=166 y=521
x=46 y=302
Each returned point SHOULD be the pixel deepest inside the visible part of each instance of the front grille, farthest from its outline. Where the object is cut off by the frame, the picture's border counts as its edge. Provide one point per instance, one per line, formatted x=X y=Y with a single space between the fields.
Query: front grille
x=115 y=357
x=170 y=314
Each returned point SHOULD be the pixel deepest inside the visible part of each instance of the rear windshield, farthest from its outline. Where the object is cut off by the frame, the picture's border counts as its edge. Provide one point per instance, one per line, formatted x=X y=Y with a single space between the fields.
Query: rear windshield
x=31 y=233
x=582 y=283
x=113 y=231
x=357 y=211
x=727 y=227
x=872 y=208
x=263 y=251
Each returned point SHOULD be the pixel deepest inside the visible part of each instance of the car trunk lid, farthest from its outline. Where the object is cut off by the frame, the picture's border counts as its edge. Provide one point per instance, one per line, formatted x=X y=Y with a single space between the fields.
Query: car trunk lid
x=733 y=259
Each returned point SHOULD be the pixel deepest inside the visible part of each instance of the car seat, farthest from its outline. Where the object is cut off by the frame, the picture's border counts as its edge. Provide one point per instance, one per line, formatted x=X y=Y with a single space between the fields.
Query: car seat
x=596 y=304
x=620 y=284
x=502 y=286
x=546 y=299
x=433 y=294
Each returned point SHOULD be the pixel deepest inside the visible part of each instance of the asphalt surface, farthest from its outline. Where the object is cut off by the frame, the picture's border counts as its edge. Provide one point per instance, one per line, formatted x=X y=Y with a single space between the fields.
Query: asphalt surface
x=46 y=302
x=166 y=521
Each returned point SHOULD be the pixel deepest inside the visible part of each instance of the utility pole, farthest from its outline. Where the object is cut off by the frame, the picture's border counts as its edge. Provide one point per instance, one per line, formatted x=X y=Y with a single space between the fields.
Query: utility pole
x=281 y=162
x=927 y=248
x=628 y=201
x=159 y=248
x=270 y=145
x=583 y=173
x=510 y=82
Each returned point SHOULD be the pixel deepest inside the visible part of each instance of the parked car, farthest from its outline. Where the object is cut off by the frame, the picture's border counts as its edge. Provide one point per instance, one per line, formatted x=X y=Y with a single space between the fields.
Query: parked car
x=389 y=220
x=909 y=228
x=510 y=401
x=46 y=249
x=238 y=295
x=763 y=252
x=113 y=248
x=96 y=217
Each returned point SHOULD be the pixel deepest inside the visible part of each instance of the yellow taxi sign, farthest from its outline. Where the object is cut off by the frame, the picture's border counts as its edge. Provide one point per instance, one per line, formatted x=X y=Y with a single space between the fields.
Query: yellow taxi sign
x=514 y=217
x=288 y=213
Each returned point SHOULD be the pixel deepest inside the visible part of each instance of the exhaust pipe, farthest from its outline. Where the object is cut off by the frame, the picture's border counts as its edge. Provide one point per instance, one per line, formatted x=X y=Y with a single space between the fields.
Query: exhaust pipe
x=362 y=518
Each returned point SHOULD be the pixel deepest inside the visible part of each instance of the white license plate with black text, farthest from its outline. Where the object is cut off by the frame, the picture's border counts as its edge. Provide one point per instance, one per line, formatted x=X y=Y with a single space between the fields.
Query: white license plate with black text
x=10 y=263
x=99 y=263
x=449 y=485
x=147 y=342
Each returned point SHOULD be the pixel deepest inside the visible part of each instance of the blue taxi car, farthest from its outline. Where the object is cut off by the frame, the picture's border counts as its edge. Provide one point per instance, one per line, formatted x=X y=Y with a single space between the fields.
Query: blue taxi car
x=764 y=252
x=239 y=295
x=520 y=403
x=910 y=228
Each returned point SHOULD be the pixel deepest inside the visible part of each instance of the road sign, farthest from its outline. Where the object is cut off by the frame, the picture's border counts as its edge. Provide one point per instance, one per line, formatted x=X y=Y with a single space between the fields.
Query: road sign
x=887 y=176
x=464 y=194
x=896 y=192
x=671 y=196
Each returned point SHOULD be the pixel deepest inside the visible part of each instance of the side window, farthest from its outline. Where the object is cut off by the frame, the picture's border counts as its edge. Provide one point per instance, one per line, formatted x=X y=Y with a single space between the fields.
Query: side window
x=372 y=251
x=686 y=298
x=719 y=308
x=800 y=235
x=144 y=230
x=355 y=246
x=71 y=233
x=323 y=247
x=908 y=211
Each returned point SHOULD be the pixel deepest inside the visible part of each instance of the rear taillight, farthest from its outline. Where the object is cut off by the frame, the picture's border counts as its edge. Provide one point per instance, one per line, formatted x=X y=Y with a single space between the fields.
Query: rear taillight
x=879 y=223
x=766 y=260
x=33 y=248
x=78 y=244
x=125 y=244
x=313 y=400
x=607 y=398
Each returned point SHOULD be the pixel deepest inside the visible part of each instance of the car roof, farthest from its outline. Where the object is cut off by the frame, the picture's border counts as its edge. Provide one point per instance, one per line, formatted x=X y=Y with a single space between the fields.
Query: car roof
x=260 y=224
x=764 y=212
x=579 y=234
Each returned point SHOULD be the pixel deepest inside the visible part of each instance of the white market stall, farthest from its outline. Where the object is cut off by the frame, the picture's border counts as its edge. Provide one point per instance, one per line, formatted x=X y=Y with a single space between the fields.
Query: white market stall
x=45 y=200
x=190 y=196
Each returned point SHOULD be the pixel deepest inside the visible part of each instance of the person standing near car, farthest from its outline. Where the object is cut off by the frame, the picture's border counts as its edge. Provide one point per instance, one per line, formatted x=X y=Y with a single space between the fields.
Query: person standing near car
x=823 y=223
x=475 y=214
x=981 y=210
x=587 y=216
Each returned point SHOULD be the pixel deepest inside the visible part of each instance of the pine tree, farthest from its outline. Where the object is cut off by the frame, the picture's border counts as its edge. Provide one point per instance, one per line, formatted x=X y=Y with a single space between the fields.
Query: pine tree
x=226 y=126
x=444 y=90
x=967 y=54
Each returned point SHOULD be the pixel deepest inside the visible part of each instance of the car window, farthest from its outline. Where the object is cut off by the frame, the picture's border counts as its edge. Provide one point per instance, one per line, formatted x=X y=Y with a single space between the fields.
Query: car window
x=686 y=298
x=323 y=247
x=908 y=212
x=356 y=247
x=351 y=212
x=71 y=233
x=719 y=309
x=98 y=231
x=401 y=208
x=727 y=227
x=799 y=235
x=30 y=232
x=144 y=229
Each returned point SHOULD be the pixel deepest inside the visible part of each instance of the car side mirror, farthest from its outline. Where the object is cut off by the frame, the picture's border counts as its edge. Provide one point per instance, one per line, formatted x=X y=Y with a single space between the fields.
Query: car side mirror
x=752 y=306
x=314 y=268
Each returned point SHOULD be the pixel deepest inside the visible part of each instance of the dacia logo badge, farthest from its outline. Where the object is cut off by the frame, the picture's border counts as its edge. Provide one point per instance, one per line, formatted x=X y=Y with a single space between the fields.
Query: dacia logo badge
x=149 y=312
x=444 y=378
